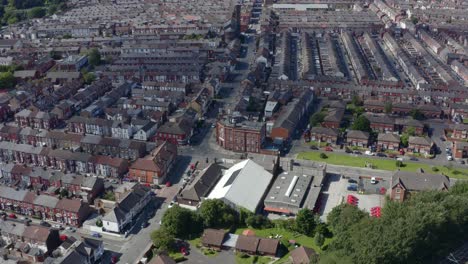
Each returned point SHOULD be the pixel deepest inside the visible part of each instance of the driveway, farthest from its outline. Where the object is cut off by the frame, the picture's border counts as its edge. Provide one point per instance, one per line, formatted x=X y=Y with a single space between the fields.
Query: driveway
x=223 y=257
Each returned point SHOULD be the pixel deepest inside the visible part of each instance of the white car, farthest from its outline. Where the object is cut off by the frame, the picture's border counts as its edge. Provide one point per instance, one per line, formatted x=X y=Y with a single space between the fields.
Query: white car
x=369 y=153
x=449 y=158
x=373 y=180
x=170 y=205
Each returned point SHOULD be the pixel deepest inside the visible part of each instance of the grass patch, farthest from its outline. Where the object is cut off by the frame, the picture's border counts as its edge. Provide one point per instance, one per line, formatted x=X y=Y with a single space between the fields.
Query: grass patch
x=381 y=164
x=315 y=144
x=177 y=256
x=246 y=259
x=209 y=252
x=196 y=242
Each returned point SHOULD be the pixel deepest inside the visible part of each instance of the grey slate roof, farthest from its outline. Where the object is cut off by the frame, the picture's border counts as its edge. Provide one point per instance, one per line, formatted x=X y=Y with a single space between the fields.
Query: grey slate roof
x=414 y=181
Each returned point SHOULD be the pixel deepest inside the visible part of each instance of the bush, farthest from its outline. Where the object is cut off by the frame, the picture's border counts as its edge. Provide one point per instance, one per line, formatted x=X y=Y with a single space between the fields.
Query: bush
x=99 y=223
x=323 y=156
x=399 y=163
x=319 y=239
x=435 y=169
x=243 y=255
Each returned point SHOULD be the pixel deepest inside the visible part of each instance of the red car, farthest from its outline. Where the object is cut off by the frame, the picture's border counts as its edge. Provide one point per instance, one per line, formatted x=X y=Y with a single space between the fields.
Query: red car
x=168 y=184
x=328 y=148
x=12 y=216
x=114 y=259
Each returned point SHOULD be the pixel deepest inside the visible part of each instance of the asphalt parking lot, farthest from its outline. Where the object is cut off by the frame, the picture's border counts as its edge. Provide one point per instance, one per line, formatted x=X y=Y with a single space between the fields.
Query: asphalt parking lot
x=335 y=192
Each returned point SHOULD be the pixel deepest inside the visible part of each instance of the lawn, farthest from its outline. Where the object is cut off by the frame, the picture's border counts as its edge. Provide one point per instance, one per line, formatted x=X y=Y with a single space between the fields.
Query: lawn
x=380 y=164
x=246 y=259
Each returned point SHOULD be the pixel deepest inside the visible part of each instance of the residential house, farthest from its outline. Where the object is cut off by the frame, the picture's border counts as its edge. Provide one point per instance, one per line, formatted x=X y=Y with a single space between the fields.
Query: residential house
x=110 y=167
x=191 y=196
x=405 y=183
x=178 y=132
x=213 y=238
x=201 y=102
x=403 y=125
x=388 y=142
x=302 y=255
x=333 y=118
x=240 y=135
x=36 y=119
x=59 y=77
x=253 y=245
x=460 y=149
x=121 y=130
x=381 y=123
x=155 y=167
x=162 y=259
x=126 y=209
x=73 y=250
x=421 y=145
x=357 y=138
x=460 y=131
x=324 y=134
x=93 y=126
x=146 y=132
x=35 y=236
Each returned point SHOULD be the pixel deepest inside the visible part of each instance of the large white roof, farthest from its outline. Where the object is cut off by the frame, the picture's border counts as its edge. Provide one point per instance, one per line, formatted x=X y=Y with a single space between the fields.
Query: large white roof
x=244 y=185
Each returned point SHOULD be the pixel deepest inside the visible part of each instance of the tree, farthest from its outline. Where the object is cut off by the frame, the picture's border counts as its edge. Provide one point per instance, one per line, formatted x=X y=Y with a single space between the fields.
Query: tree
x=404 y=139
x=36 y=12
x=411 y=131
x=258 y=221
x=323 y=156
x=109 y=196
x=215 y=213
x=343 y=216
x=361 y=123
x=317 y=118
x=181 y=222
x=414 y=19
x=418 y=230
x=7 y=80
x=356 y=100
x=52 y=9
x=399 y=163
x=416 y=114
x=388 y=107
x=89 y=77
x=163 y=240
x=319 y=239
x=64 y=192
x=94 y=57
x=305 y=222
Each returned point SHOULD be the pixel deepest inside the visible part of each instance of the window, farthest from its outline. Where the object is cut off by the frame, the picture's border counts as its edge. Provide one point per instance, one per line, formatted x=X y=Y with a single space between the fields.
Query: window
x=398 y=190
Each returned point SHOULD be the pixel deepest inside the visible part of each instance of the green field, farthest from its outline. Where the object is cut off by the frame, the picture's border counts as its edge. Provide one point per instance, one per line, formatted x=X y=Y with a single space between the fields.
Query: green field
x=252 y=260
x=381 y=164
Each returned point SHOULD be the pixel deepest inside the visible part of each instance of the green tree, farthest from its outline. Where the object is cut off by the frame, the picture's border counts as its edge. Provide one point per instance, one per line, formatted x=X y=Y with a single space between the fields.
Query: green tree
x=215 y=213
x=356 y=100
x=399 y=163
x=343 y=216
x=404 y=139
x=258 y=221
x=181 y=222
x=109 y=196
x=89 y=77
x=317 y=118
x=411 y=131
x=52 y=9
x=388 y=107
x=323 y=156
x=94 y=57
x=418 y=230
x=416 y=114
x=414 y=19
x=319 y=239
x=163 y=240
x=305 y=222
x=7 y=80
x=361 y=123
x=64 y=192
x=36 y=12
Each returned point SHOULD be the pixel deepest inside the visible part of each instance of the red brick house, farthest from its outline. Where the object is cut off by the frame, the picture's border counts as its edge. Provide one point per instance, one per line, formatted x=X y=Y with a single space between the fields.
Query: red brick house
x=154 y=167
x=460 y=150
x=324 y=134
x=421 y=145
x=36 y=119
x=374 y=106
x=333 y=118
x=460 y=131
x=402 y=125
x=178 y=132
x=405 y=183
x=240 y=136
x=213 y=238
x=381 y=123
x=357 y=138
x=388 y=141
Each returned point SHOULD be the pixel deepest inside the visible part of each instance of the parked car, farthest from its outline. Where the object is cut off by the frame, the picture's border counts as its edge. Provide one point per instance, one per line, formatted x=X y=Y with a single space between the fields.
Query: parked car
x=44 y=223
x=373 y=180
x=369 y=153
x=352 y=187
x=58 y=226
x=328 y=148
x=12 y=216
x=414 y=159
x=380 y=154
x=449 y=158
x=314 y=148
x=357 y=152
x=352 y=181
x=461 y=161
x=95 y=234
x=170 y=205
x=348 y=150
x=114 y=259
x=442 y=138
